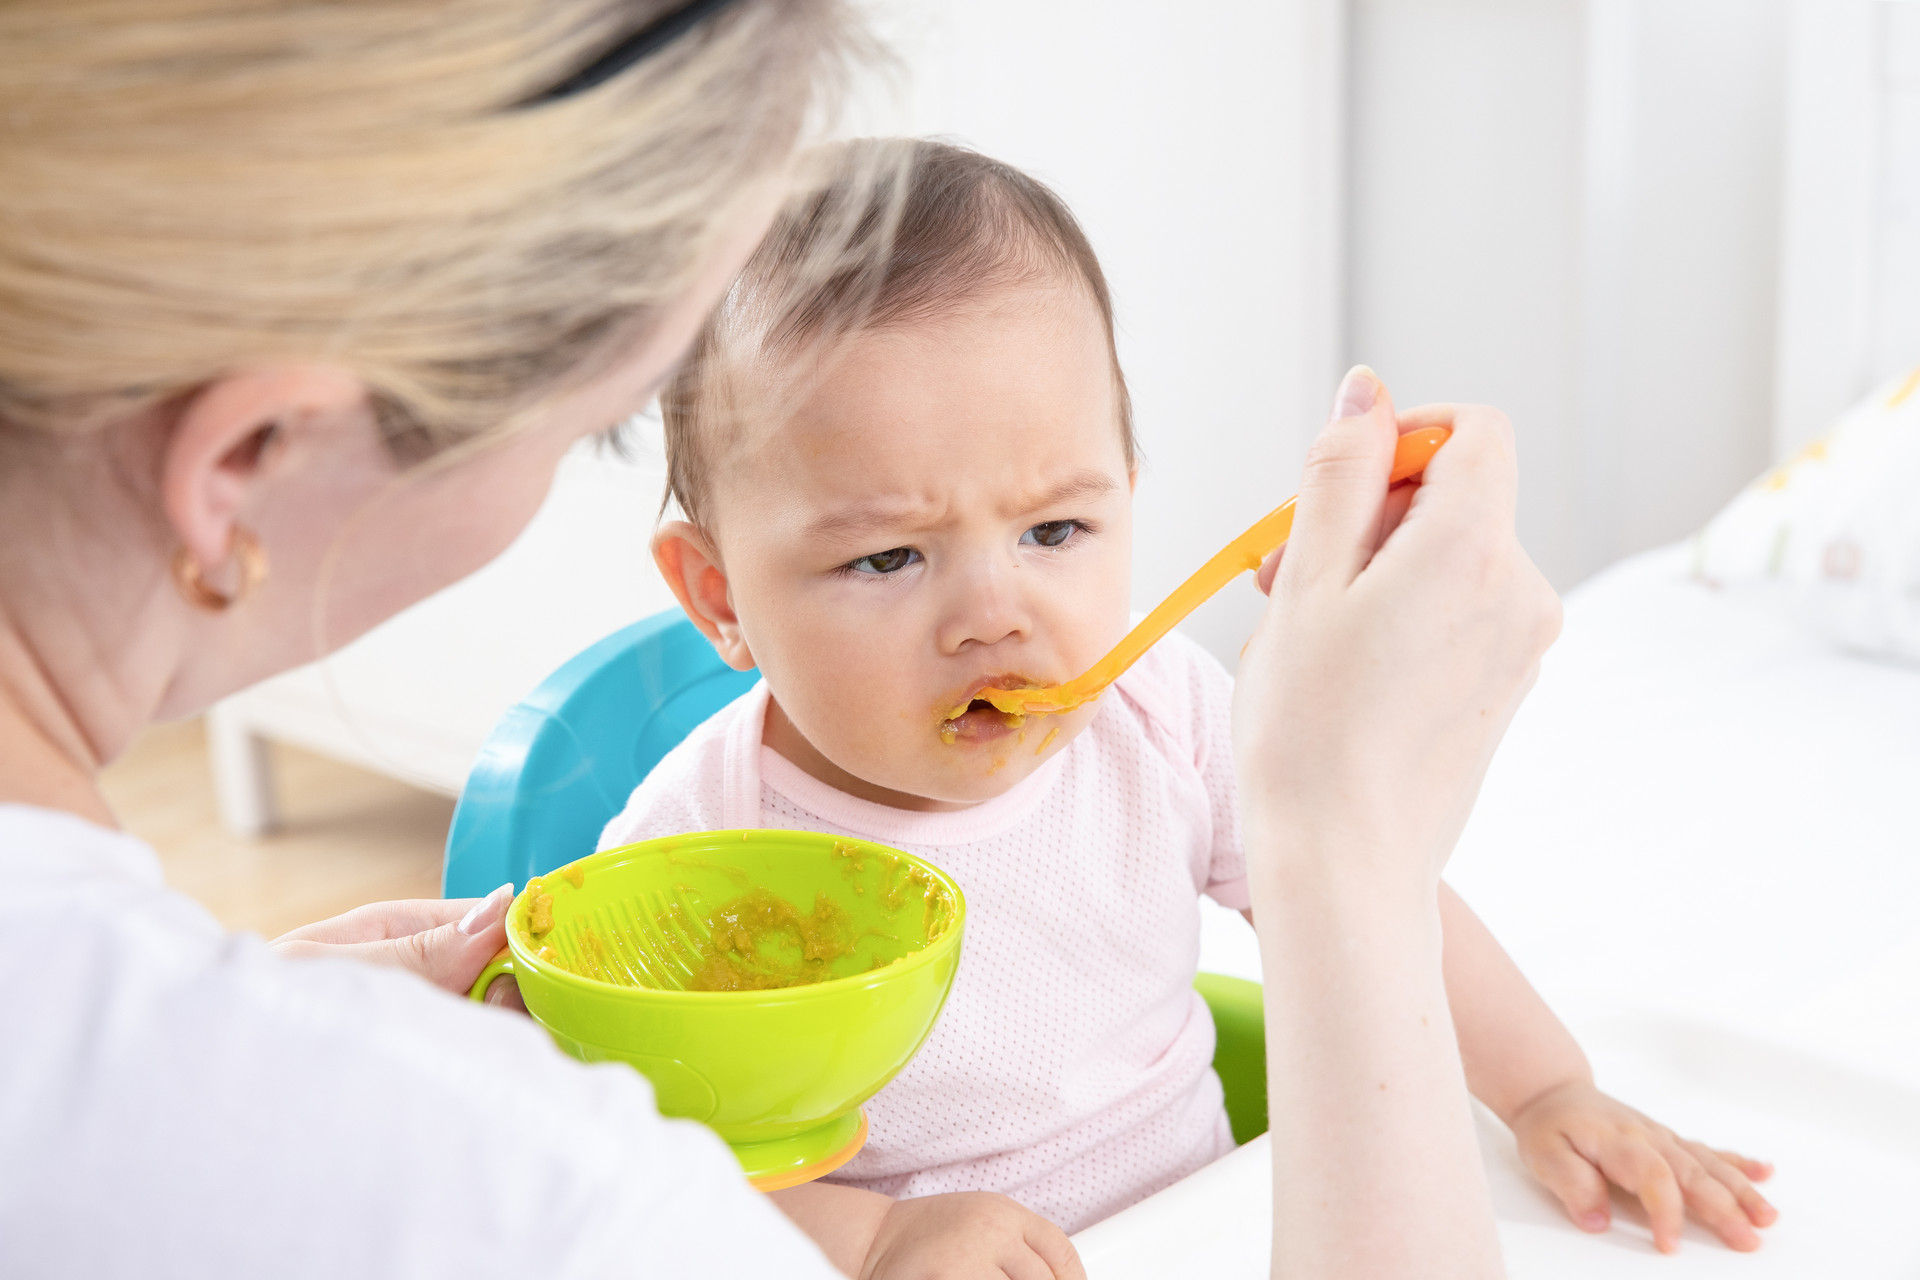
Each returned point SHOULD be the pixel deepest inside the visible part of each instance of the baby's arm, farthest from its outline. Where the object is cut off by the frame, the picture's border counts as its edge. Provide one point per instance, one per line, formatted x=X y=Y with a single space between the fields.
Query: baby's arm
x=956 y=1236
x=1525 y=1066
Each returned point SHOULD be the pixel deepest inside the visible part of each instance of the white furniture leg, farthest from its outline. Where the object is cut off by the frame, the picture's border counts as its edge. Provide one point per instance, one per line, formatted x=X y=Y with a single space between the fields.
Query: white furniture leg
x=242 y=772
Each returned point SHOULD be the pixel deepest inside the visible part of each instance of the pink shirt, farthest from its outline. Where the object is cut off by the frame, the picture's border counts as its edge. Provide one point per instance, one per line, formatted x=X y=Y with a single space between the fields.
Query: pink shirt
x=1072 y=1067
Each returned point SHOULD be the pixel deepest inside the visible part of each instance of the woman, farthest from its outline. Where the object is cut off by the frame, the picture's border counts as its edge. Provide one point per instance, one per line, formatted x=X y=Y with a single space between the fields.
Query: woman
x=299 y=306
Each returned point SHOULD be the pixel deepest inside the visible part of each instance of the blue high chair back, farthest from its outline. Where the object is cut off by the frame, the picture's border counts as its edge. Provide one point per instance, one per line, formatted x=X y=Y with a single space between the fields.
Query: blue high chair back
x=563 y=761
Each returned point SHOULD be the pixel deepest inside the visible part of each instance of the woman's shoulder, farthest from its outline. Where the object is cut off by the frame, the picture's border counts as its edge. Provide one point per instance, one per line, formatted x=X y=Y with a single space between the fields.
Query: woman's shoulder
x=202 y=1084
x=64 y=845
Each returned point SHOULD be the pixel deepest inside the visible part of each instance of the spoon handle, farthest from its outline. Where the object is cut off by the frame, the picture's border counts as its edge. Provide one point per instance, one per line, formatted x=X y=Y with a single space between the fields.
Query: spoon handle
x=1248 y=551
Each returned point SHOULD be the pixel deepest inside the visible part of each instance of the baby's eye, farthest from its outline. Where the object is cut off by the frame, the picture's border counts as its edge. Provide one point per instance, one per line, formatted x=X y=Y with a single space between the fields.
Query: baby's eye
x=1053 y=533
x=885 y=561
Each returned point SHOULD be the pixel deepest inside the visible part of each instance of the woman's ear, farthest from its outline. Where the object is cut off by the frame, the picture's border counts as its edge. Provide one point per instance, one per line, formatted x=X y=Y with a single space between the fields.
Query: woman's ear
x=226 y=439
x=691 y=566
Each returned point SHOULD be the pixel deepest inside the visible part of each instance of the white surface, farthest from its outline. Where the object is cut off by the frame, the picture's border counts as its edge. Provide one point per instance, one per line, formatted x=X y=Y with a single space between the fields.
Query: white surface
x=1848 y=1150
x=1707 y=810
x=1699 y=841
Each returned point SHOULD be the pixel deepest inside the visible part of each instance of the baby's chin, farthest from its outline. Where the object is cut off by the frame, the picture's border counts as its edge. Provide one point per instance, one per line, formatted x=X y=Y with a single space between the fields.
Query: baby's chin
x=933 y=763
x=974 y=768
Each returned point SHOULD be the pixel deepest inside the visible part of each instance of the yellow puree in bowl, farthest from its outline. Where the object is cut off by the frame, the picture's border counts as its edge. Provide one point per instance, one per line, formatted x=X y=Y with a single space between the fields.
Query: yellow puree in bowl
x=734 y=960
x=758 y=941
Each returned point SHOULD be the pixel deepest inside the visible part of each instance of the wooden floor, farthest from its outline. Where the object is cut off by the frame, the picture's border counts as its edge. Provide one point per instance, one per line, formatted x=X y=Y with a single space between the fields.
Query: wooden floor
x=348 y=837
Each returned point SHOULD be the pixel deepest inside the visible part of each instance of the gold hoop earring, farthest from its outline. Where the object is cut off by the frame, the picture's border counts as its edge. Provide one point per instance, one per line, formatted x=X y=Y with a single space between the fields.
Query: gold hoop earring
x=249 y=557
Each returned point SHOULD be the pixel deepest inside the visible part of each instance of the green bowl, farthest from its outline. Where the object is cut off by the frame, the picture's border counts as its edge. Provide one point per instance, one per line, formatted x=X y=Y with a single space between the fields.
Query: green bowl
x=779 y=1073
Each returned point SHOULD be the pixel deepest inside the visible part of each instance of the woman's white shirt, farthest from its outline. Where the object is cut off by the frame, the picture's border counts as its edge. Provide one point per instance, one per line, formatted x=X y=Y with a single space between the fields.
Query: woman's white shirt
x=180 y=1101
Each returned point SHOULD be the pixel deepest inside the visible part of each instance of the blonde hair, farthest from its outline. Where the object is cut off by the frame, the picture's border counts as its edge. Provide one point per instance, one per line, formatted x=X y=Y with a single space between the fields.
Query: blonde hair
x=192 y=186
x=891 y=232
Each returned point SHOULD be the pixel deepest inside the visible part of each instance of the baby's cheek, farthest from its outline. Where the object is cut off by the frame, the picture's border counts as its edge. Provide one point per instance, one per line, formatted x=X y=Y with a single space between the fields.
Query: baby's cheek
x=853 y=707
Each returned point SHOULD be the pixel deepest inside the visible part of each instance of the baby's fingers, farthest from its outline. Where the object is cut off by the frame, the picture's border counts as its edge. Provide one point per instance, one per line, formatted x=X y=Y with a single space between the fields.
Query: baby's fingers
x=1755 y=1170
x=1026 y=1266
x=1645 y=1174
x=1712 y=1200
x=1055 y=1252
x=1572 y=1177
x=1732 y=1171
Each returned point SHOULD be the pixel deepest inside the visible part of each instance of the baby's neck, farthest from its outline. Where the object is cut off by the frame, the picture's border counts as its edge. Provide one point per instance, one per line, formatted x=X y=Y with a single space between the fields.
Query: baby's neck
x=792 y=745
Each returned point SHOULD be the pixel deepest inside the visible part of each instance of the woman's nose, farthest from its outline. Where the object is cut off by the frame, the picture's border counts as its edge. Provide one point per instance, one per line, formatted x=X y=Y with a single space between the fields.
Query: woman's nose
x=987 y=605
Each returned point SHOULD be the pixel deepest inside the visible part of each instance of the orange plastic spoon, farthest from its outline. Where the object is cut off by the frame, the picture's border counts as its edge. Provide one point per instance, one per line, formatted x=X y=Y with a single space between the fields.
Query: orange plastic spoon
x=1248 y=551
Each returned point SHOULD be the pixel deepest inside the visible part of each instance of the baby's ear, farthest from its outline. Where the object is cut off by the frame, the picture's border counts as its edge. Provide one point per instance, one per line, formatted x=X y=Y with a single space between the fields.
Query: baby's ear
x=692 y=569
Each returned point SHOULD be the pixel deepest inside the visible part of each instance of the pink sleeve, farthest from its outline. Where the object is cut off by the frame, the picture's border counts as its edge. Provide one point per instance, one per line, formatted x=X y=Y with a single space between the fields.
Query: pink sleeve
x=1213 y=733
x=1204 y=719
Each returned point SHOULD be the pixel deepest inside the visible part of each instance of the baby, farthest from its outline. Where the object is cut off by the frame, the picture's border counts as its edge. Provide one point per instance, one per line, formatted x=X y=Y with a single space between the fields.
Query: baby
x=912 y=479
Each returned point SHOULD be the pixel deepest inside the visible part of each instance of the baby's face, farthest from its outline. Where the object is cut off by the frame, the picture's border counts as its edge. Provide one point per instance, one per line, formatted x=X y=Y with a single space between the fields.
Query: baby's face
x=949 y=507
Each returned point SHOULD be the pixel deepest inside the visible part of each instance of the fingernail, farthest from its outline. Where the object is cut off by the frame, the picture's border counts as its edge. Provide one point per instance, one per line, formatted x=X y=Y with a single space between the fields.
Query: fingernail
x=1358 y=390
x=1594 y=1221
x=487 y=911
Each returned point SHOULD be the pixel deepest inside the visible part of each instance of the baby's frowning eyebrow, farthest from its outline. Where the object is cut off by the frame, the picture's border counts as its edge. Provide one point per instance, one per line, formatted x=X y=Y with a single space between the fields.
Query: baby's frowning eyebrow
x=849 y=523
x=1080 y=486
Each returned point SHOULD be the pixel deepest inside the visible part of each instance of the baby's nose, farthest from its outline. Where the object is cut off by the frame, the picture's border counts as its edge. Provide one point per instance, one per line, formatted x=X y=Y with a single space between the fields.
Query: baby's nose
x=988 y=607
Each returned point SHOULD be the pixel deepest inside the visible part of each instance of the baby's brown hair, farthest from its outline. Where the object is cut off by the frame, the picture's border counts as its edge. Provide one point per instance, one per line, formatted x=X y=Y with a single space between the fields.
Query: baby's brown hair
x=926 y=226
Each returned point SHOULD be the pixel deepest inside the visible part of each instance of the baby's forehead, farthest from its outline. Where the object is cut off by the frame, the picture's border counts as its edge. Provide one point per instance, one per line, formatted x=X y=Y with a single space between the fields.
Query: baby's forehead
x=1040 y=349
x=976 y=404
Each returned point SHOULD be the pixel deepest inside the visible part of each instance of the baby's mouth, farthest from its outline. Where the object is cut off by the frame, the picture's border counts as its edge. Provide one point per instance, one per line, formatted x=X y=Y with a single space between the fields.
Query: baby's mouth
x=977 y=720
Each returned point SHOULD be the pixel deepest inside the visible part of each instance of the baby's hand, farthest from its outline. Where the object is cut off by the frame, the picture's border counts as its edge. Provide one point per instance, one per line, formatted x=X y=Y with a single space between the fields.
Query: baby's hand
x=1576 y=1140
x=968 y=1234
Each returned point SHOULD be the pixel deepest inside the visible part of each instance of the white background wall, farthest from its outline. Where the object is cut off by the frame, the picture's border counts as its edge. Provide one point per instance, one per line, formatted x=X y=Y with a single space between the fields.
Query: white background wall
x=1565 y=207
x=1570 y=210
x=1850 y=260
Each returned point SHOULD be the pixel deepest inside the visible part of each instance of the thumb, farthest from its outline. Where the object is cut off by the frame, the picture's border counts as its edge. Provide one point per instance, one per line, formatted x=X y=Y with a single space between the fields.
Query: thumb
x=1057 y=1251
x=450 y=956
x=1344 y=487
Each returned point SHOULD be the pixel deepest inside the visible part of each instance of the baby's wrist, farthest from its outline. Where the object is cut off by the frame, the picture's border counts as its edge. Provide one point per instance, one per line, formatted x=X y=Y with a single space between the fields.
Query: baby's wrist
x=844 y=1221
x=1512 y=1111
